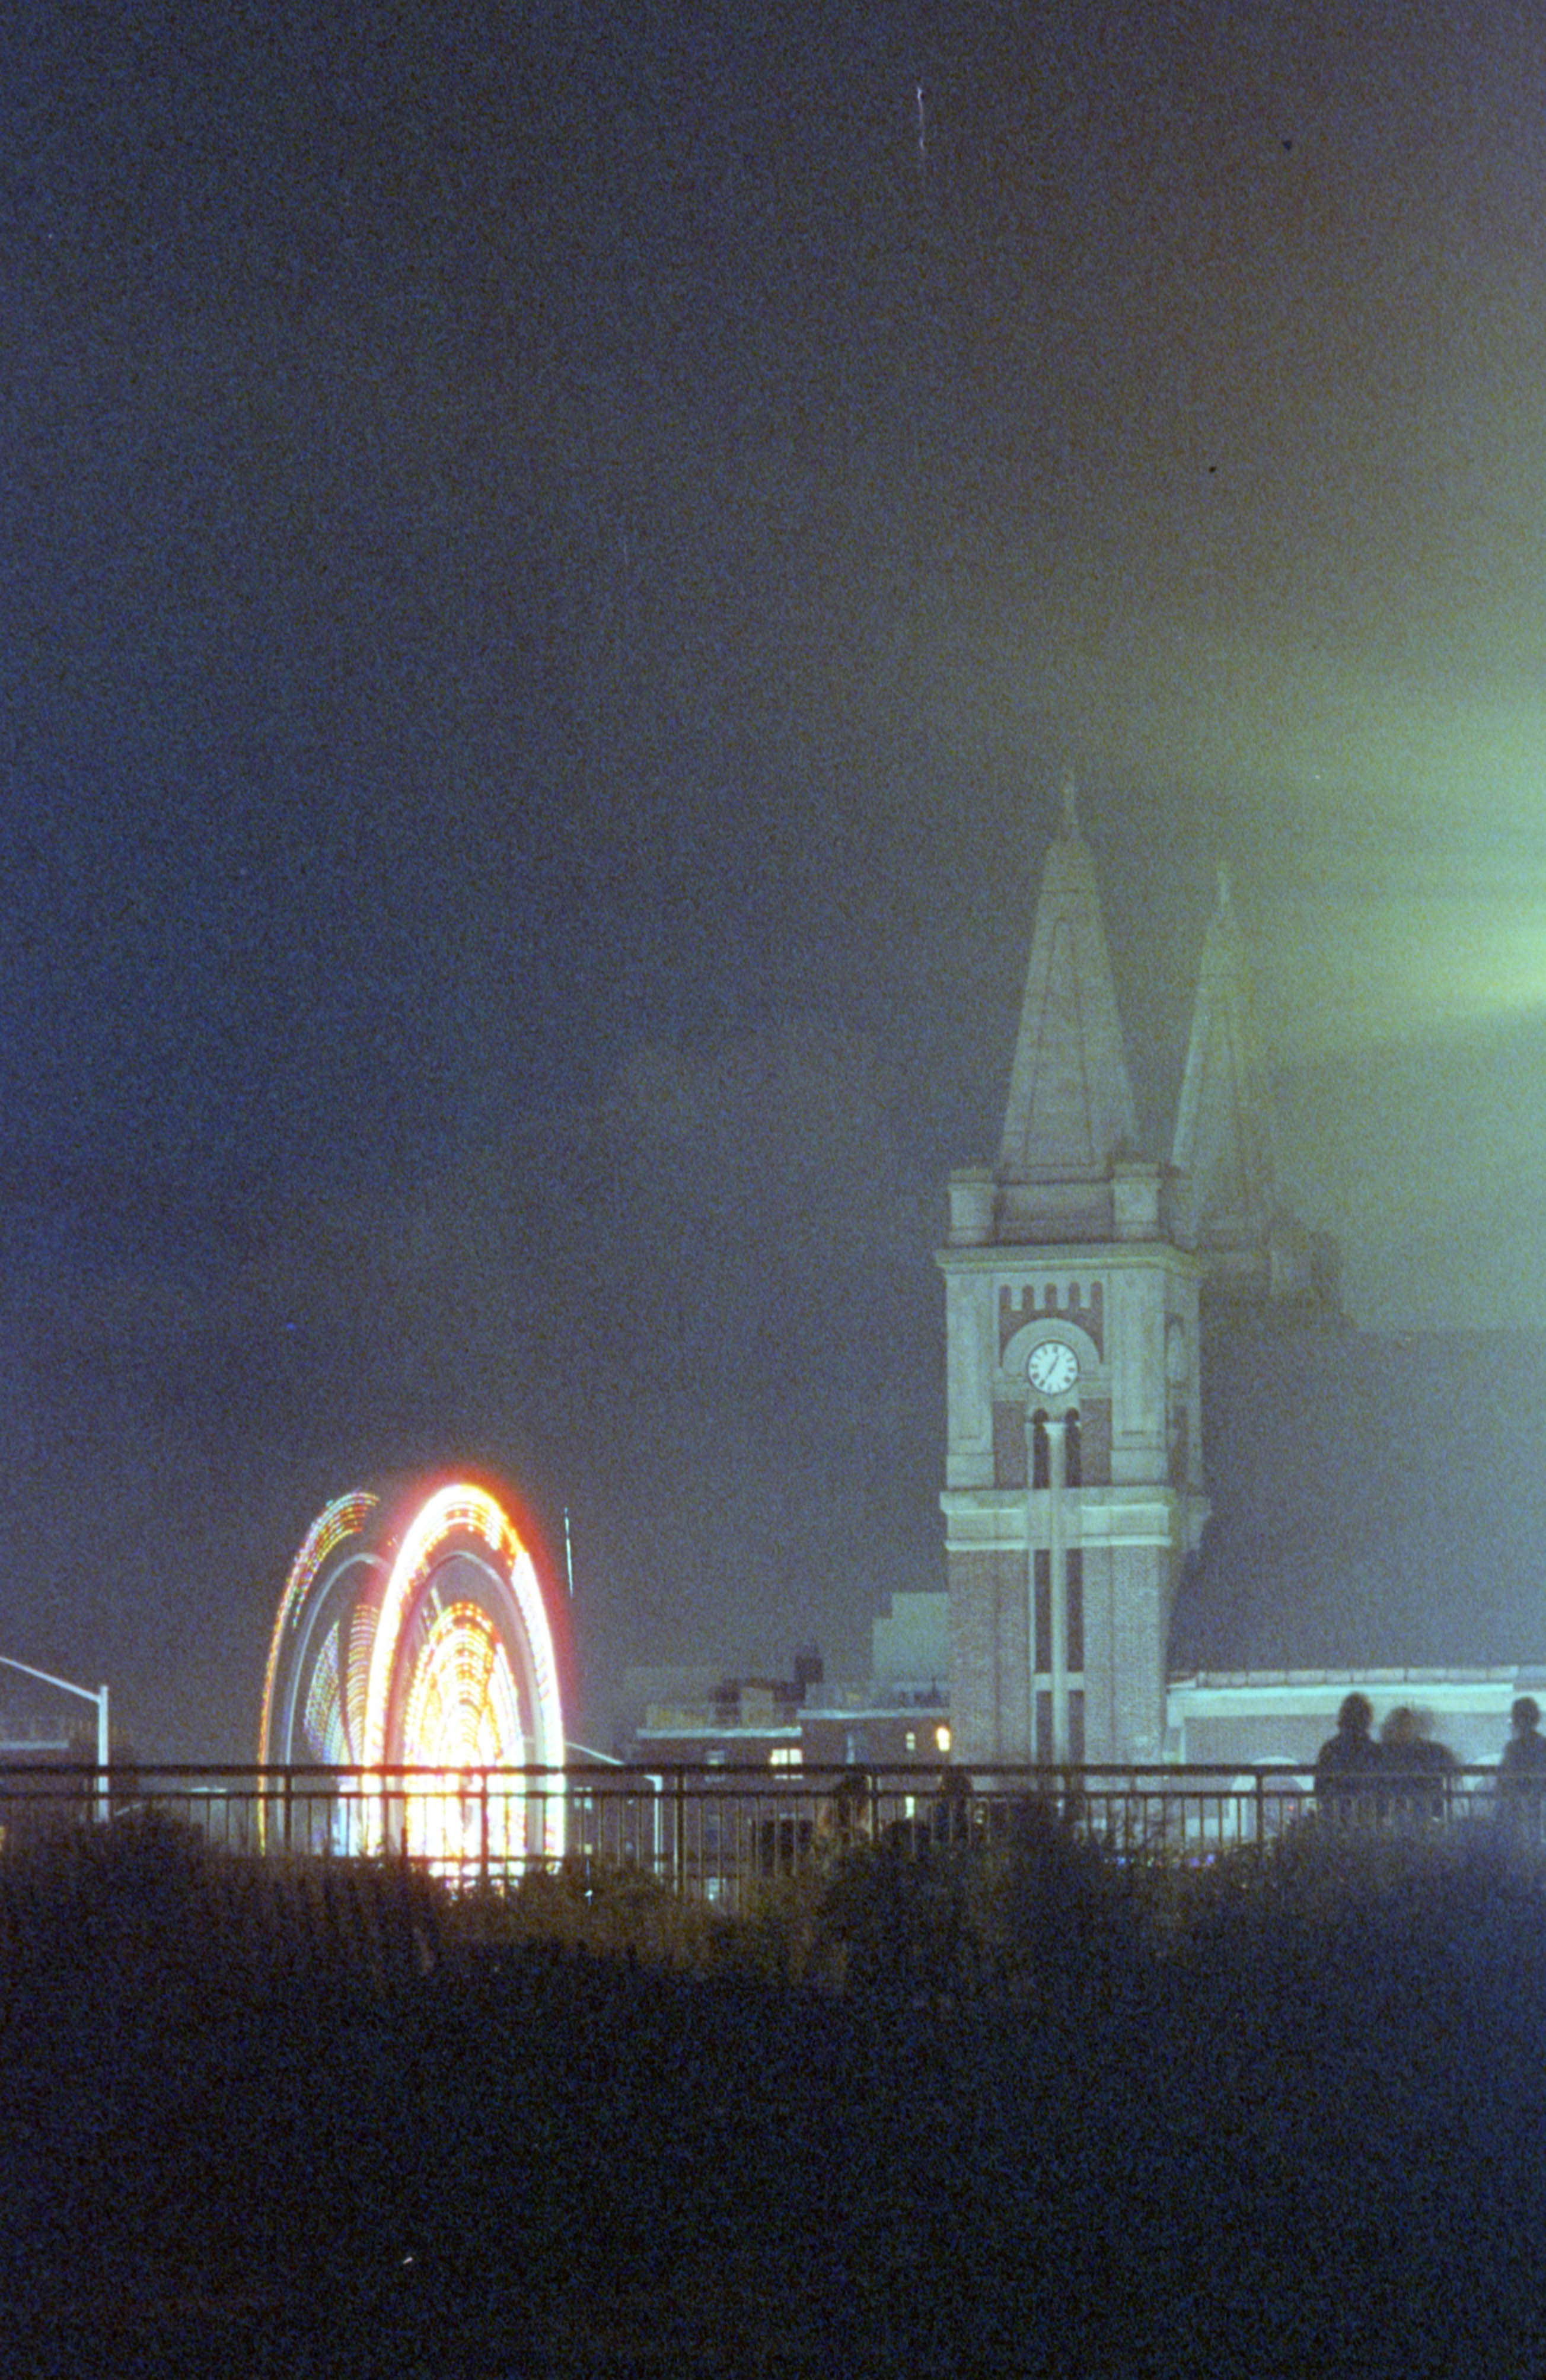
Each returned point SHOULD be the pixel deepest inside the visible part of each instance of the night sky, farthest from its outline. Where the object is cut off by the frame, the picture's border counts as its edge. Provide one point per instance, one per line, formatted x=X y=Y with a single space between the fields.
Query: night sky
x=553 y=564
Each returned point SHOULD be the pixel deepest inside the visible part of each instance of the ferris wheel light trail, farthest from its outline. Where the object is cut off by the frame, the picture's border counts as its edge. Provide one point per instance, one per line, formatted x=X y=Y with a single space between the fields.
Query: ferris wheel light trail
x=432 y=1655
x=344 y=1518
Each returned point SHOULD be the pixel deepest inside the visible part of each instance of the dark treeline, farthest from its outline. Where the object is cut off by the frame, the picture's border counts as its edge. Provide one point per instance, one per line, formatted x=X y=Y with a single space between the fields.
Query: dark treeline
x=1025 y=2112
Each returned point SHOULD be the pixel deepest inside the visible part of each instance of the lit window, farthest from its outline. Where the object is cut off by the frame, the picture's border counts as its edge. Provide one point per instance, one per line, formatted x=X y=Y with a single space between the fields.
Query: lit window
x=785 y=1755
x=942 y=1738
x=911 y=1740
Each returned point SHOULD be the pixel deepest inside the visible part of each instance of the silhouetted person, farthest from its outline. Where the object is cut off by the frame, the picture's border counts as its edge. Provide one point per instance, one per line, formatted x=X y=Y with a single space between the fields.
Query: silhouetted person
x=1418 y=1772
x=1522 y=1770
x=1347 y=1764
x=1438 y=1762
x=951 y=1818
x=846 y=1817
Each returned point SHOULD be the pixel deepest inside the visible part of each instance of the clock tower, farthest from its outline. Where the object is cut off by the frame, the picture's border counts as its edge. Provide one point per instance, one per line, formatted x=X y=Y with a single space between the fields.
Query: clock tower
x=1074 y=1463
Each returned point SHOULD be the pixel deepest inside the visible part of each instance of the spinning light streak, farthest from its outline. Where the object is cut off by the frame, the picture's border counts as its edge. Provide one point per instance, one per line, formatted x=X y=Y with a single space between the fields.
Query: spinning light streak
x=312 y=1574
x=429 y=1651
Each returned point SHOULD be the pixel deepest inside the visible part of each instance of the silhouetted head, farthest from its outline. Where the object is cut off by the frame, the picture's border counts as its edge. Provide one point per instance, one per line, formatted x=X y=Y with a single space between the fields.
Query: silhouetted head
x=1400 y=1727
x=1356 y=1716
x=1525 y=1715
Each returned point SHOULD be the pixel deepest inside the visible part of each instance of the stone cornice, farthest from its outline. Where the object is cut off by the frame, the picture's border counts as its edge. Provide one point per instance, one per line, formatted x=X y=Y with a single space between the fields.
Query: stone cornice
x=991 y=1520
x=1072 y=1256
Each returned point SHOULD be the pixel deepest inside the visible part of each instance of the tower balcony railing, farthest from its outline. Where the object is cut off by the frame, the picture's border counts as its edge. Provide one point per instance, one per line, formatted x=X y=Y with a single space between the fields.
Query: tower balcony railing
x=712 y=1833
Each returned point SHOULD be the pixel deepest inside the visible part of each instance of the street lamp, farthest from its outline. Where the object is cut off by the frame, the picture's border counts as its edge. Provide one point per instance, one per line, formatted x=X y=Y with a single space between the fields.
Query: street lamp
x=97 y=1694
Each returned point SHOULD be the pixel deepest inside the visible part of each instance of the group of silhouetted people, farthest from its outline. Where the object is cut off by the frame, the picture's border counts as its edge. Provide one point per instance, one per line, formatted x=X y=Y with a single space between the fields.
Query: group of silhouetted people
x=1407 y=1774
x=951 y=1821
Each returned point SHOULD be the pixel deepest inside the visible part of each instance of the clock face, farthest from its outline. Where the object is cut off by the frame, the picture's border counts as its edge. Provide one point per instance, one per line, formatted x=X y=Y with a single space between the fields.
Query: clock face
x=1052 y=1368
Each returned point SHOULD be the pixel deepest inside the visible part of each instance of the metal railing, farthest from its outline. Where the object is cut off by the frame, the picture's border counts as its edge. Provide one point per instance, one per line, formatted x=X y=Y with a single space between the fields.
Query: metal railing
x=709 y=1832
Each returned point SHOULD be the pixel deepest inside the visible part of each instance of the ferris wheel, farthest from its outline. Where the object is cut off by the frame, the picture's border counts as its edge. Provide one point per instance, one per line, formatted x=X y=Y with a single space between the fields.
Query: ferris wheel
x=412 y=1645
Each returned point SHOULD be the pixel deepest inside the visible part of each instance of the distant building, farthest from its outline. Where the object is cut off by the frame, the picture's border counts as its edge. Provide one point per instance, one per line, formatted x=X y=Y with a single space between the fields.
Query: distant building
x=1074 y=1461
x=30 y=1749
x=1379 y=1519
x=1245 y=1716
x=900 y=1715
x=1133 y=1347
x=33 y=1739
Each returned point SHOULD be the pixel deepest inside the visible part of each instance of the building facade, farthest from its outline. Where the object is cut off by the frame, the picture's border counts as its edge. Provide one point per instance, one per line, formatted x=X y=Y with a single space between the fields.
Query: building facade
x=897 y=1717
x=1078 y=1277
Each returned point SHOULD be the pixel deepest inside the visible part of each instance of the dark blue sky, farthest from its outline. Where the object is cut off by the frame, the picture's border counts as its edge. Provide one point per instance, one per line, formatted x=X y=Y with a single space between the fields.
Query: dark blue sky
x=551 y=568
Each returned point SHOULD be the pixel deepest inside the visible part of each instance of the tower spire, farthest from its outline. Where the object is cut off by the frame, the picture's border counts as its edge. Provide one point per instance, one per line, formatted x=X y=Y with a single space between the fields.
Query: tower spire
x=1070 y=1110
x=1224 y=1125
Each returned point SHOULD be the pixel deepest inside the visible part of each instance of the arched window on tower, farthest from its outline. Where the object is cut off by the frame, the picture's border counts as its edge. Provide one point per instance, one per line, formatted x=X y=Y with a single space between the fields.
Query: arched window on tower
x=1073 y=1470
x=1040 y=1452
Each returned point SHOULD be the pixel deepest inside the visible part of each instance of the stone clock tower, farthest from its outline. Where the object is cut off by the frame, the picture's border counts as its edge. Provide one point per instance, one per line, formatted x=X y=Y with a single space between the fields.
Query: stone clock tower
x=1074 y=1463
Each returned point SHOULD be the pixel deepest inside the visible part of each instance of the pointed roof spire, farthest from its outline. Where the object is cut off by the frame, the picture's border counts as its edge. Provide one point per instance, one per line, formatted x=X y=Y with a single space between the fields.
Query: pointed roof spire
x=1224 y=1123
x=1070 y=1110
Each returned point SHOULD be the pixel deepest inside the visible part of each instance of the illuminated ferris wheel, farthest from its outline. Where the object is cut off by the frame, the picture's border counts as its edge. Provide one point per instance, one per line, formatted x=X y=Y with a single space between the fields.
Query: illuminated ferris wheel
x=417 y=1642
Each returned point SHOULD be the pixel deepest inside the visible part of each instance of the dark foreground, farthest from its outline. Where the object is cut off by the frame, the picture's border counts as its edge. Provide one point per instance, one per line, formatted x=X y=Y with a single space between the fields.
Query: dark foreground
x=1293 y=2127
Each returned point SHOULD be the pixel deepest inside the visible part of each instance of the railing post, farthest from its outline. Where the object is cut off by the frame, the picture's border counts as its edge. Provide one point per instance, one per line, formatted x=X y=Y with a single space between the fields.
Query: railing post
x=483 y=1827
x=679 y=1835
